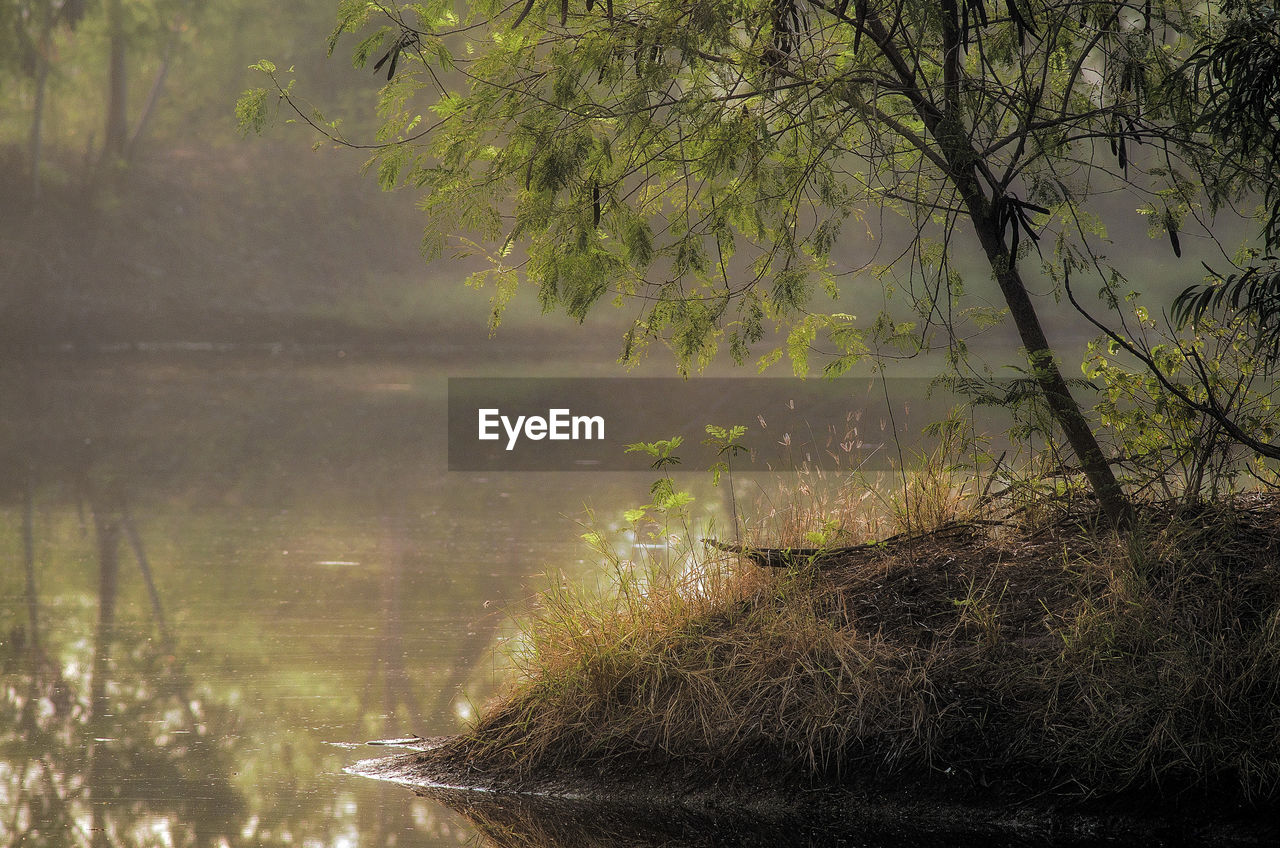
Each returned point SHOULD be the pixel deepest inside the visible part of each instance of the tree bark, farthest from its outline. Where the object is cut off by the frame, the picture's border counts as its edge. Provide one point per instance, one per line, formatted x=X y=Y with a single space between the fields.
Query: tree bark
x=157 y=88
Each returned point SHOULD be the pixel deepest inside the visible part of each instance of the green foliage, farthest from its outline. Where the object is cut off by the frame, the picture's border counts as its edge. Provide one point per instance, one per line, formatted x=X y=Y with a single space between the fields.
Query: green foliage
x=1253 y=295
x=704 y=158
x=664 y=498
x=700 y=160
x=1167 y=444
x=824 y=535
x=728 y=444
x=251 y=111
x=662 y=451
x=1239 y=69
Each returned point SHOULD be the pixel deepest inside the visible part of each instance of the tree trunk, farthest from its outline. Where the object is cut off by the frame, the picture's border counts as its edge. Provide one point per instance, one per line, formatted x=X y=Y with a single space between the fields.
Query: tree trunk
x=36 y=142
x=962 y=163
x=157 y=88
x=117 y=131
x=1064 y=407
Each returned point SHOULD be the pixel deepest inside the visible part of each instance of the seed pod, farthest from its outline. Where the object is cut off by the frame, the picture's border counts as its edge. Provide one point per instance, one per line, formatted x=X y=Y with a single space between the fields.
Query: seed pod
x=1171 y=226
x=524 y=13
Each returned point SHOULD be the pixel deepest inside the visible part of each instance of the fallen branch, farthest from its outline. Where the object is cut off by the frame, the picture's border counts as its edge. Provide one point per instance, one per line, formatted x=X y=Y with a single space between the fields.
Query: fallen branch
x=795 y=556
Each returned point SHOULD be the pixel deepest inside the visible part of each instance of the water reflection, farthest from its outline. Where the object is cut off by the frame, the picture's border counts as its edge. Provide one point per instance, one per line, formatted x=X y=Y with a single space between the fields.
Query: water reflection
x=109 y=746
x=220 y=570
x=527 y=821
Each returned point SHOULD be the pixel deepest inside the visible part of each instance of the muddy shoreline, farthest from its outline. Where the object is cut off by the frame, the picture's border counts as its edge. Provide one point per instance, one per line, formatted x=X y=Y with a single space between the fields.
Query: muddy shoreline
x=1042 y=683
x=667 y=807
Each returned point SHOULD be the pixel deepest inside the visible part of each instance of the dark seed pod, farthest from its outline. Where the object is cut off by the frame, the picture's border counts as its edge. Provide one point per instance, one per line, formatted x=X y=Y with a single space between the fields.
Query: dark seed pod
x=524 y=13
x=1173 y=235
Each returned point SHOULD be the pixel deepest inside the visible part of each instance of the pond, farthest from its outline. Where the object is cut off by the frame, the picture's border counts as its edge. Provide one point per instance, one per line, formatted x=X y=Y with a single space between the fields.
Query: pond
x=224 y=569
x=230 y=568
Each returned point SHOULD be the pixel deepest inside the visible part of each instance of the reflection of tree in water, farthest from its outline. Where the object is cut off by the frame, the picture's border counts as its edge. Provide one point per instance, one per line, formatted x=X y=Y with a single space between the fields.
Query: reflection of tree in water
x=227 y=471
x=618 y=820
x=113 y=743
x=389 y=695
x=530 y=822
x=105 y=746
x=389 y=686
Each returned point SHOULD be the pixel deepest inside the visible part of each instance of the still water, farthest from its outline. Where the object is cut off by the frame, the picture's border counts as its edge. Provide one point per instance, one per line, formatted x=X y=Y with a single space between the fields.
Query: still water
x=223 y=570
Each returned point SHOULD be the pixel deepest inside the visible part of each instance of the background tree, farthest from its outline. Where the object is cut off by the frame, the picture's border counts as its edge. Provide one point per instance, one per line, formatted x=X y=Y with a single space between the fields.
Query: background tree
x=116 y=133
x=152 y=29
x=27 y=30
x=699 y=160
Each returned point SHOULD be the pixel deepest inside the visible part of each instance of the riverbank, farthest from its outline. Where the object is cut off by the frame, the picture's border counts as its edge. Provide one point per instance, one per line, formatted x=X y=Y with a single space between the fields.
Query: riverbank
x=1046 y=662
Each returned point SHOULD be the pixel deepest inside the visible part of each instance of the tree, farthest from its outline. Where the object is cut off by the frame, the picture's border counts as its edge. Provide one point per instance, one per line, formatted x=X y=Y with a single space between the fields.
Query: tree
x=30 y=47
x=117 y=102
x=700 y=158
x=27 y=28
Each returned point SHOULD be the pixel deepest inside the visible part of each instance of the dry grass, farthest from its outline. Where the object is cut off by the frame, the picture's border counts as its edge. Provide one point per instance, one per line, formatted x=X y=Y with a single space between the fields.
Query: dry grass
x=844 y=505
x=1059 y=658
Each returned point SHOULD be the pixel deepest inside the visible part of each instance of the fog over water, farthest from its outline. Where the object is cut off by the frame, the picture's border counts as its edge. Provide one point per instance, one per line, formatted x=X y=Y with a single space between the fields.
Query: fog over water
x=232 y=544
